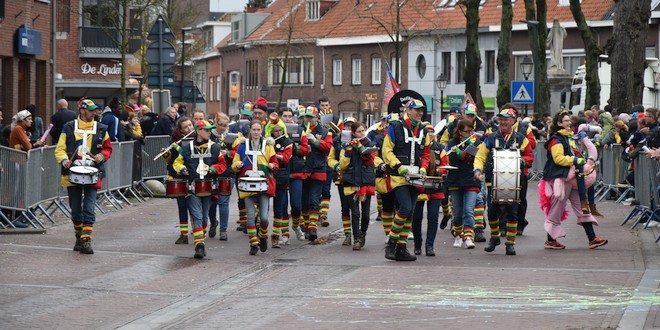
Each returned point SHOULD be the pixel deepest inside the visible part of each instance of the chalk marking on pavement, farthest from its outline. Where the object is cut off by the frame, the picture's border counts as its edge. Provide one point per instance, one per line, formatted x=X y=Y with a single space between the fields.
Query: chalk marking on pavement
x=79 y=288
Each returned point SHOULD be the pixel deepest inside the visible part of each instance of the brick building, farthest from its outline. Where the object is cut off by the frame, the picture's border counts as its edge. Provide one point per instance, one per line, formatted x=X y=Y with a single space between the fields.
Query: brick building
x=25 y=70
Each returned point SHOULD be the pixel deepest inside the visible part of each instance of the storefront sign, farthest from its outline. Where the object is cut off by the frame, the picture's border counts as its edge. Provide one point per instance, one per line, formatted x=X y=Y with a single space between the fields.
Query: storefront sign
x=102 y=69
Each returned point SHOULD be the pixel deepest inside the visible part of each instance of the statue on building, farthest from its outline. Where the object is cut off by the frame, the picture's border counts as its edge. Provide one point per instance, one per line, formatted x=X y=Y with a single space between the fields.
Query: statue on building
x=555 y=43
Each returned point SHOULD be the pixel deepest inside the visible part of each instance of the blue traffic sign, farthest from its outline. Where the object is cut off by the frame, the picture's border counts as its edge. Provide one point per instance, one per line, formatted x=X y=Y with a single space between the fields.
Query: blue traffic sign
x=522 y=91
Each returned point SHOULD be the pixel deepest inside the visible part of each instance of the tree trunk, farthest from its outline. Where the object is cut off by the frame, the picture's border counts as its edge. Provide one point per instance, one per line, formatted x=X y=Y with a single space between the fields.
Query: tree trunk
x=472 y=55
x=504 y=55
x=543 y=92
x=592 y=53
x=627 y=49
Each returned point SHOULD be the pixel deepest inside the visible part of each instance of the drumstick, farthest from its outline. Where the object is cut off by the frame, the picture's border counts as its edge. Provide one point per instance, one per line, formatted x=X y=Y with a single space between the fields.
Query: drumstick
x=170 y=146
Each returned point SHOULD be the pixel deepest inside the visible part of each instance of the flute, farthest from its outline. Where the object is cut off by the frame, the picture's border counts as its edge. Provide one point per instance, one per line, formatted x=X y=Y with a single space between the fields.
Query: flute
x=170 y=146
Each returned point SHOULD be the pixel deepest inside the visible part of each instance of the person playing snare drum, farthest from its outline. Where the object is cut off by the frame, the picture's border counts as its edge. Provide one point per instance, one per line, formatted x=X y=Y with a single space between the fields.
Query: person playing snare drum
x=198 y=160
x=504 y=138
x=84 y=143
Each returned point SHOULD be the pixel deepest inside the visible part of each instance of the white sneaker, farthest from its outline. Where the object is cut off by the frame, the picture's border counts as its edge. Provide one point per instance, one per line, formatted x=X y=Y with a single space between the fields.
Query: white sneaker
x=411 y=237
x=653 y=224
x=458 y=242
x=284 y=240
x=299 y=234
x=469 y=244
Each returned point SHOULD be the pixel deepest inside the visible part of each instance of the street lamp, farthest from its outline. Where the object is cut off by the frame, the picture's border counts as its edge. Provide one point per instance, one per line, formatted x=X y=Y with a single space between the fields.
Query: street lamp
x=264 y=91
x=441 y=82
x=526 y=67
x=183 y=59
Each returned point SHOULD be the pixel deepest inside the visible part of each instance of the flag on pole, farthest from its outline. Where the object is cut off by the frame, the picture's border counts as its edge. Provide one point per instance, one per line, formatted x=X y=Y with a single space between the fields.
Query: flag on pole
x=391 y=88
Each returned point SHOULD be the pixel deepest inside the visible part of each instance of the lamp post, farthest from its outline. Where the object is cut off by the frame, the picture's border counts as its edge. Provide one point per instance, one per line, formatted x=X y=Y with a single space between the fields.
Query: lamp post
x=441 y=82
x=526 y=67
x=264 y=91
x=183 y=59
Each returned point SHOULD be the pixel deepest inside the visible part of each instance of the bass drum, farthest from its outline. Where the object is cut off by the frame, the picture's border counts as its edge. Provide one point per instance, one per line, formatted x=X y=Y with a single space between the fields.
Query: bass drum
x=506 y=176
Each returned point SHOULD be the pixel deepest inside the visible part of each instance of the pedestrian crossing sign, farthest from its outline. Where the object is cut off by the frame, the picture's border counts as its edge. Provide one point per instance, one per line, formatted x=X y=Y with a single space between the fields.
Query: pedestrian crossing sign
x=522 y=91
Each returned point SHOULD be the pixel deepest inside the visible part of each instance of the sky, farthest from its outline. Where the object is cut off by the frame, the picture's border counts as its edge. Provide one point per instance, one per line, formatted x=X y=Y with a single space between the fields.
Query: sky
x=227 y=5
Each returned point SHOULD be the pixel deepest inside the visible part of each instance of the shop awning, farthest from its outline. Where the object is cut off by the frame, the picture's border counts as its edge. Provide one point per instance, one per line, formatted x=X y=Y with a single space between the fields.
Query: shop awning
x=94 y=89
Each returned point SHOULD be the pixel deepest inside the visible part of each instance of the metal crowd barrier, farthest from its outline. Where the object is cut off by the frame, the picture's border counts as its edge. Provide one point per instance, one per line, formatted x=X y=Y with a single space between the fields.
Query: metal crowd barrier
x=614 y=174
x=646 y=191
x=29 y=180
x=540 y=158
x=153 y=169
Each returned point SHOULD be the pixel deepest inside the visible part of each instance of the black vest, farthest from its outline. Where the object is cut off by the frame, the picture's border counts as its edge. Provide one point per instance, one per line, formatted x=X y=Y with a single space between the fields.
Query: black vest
x=402 y=150
x=358 y=174
x=464 y=175
x=97 y=144
x=552 y=170
x=192 y=162
x=317 y=161
x=282 y=174
x=297 y=163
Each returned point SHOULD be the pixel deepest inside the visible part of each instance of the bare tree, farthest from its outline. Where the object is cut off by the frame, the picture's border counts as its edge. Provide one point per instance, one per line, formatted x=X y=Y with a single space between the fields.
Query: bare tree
x=258 y=3
x=537 y=44
x=504 y=55
x=626 y=49
x=472 y=55
x=592 y=51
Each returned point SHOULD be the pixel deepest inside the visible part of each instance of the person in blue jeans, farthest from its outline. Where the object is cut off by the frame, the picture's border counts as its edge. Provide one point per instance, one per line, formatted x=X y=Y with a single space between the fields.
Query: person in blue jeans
x=462 y=185
x=222 y=202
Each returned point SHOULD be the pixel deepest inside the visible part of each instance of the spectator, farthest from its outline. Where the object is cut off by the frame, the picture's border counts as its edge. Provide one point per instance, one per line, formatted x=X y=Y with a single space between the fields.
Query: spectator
x=133 y=128
x=61 y=117
x=37 y=128
x=166 y=123
x=653 y=136
x=19 y=138
x=110 y=117
x=148 y=120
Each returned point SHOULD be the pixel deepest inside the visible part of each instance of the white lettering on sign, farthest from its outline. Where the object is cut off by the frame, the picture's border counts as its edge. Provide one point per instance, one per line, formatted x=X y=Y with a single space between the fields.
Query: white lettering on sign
x=102 y=69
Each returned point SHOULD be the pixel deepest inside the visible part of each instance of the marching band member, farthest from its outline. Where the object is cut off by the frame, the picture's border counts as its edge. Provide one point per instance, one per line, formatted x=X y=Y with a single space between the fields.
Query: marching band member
x=359 y=179
x=333 y=162
x=324 y=109
x=254 y=146
x=246 y=114
x=461 y=183
x=504 y=138
x=383 y=182
x=198 y=159
x=404 y=139
x=283 y=150
x=320 y=142
x=86 y=142
x=183 y=127
x=219 y=133
x=432 y=197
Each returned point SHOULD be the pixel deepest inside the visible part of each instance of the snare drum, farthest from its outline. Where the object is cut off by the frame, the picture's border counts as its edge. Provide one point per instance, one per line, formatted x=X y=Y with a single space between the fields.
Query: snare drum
x=176 y=188
x=224 y=186
x=83 y=175
x=202 y=187
x=506 y=176
x=427 y=183
x=252 y=184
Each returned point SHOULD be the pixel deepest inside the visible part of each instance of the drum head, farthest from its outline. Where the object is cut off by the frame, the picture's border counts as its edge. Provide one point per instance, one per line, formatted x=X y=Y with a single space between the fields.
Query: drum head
x=399 y=100
x=83 y=169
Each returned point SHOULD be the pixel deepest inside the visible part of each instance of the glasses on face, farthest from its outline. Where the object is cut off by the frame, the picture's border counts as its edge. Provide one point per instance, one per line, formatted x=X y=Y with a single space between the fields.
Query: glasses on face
x=467 y=130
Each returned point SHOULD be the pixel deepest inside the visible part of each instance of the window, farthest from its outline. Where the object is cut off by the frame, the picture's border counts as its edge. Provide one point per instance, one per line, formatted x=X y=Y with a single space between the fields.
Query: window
x=200 y=82
x=252 y=73
x=218 y=96
x=63 y=15
x=396 y=69
x=312 y=10
x=356 y=69
x=336 y=72
x=235 y=31
x=234 y=91
x=421 y=66
x=211 y=89
x=299 y=71
x=446 y=65
x=95 y=13
x=207 y=39
x=375 y=71
x=460 y=67
x=490 y=66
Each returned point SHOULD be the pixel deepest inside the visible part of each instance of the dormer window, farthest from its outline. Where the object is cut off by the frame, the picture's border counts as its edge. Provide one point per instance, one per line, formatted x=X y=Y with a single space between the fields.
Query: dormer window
x=313 y=10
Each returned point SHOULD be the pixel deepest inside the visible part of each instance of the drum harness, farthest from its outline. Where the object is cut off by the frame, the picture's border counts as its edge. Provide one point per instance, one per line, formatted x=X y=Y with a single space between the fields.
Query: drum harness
x=253 y=159
x=202 y=167
x=83 y=149
x=409 y=139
